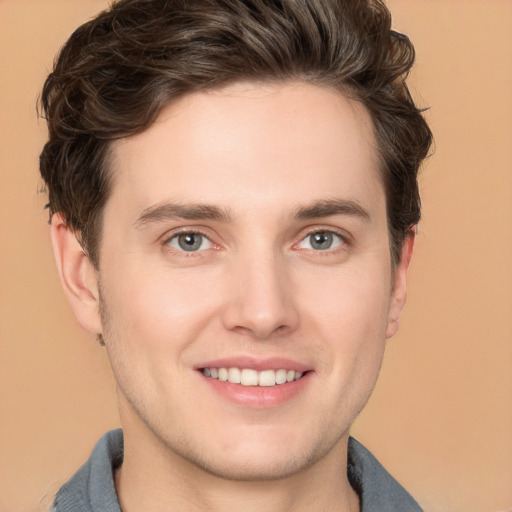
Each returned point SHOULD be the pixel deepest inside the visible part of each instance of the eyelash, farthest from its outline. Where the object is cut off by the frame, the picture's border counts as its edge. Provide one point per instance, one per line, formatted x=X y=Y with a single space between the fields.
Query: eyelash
x=187 y=254
x=343 y=237
x=317 y=230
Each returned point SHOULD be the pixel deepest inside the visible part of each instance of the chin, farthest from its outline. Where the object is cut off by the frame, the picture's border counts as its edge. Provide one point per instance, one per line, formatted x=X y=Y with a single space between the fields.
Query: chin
x=262 y=459
x=277 y=467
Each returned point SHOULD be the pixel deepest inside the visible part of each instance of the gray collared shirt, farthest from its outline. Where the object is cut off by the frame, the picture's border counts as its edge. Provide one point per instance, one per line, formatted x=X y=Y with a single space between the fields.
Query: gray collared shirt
x=92 y=488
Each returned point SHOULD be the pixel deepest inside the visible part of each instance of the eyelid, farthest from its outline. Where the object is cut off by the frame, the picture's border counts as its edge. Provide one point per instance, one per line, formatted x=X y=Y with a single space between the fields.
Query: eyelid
x=173 y=233
x=168 y=236
x=345 y=238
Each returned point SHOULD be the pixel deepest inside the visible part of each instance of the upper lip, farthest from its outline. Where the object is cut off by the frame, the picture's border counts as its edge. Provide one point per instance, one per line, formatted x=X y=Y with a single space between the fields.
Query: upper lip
x=258 y=364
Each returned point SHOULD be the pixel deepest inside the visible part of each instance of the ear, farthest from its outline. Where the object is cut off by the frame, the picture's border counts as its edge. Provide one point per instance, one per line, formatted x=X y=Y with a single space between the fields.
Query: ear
x=77 y=275
x=399 y=292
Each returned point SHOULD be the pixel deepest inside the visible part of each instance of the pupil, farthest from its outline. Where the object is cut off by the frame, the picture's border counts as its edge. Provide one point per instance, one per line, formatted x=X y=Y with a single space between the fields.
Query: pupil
x=321 y=241
x=189 y=241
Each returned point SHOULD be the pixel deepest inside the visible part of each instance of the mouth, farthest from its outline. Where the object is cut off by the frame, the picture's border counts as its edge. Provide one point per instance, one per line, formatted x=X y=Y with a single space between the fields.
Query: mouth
x=250 y=377
x=257 y=383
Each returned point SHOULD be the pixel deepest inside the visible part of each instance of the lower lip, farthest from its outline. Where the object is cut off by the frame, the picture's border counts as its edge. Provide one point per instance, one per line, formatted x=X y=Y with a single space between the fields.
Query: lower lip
x=258 y=397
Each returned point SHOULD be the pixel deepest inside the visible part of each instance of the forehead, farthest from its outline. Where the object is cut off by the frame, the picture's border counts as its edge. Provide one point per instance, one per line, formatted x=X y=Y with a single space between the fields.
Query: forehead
x=262 y=143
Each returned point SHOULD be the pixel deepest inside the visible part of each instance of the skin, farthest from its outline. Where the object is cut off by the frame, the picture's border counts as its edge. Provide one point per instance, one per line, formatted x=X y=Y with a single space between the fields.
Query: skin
x=256 y=287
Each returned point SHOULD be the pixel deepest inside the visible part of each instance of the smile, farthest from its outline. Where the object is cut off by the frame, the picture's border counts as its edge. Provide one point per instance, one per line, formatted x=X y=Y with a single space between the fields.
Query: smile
x=250 y=377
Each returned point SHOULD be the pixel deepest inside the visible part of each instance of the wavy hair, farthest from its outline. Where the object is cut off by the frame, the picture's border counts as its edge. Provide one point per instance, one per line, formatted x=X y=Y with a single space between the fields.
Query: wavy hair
x=116 y=73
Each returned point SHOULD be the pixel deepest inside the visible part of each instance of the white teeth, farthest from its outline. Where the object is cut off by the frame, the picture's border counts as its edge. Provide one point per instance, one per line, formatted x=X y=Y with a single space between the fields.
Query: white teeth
x=249 y=377
x=234 y=375
x=281 y=376
x=267 y=378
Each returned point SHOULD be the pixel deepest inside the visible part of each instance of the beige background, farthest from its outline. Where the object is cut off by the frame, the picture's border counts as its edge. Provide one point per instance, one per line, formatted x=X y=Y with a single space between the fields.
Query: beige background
x=441 y=416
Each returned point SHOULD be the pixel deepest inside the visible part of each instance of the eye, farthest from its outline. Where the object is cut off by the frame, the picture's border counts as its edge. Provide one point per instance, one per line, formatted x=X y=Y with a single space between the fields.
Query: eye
x=321 y=241
x=190 y=242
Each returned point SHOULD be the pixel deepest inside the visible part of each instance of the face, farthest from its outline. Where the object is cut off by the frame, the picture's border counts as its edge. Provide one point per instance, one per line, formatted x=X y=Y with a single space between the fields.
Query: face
x=246 y=239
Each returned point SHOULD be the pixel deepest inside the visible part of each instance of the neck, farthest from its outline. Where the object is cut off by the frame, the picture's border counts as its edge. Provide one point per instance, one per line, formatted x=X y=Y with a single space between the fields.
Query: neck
x=157 y=479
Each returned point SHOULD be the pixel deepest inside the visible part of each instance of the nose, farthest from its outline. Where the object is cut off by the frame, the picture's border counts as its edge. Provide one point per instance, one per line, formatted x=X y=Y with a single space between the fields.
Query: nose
x=261 y=300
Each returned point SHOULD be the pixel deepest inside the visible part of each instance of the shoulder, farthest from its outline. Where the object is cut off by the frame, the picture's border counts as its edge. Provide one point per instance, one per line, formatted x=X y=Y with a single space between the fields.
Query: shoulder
x=92 y=487
x=377 y=489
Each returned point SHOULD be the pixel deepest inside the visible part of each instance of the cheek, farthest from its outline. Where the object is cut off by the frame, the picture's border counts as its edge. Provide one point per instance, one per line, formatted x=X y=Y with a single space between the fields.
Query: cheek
x=348 y=317
x=354 y=299
x=150 y=321
x=155 y=307
x=350 y=311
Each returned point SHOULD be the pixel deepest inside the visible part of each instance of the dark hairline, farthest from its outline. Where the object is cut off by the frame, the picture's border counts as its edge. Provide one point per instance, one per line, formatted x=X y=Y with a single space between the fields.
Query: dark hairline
x=343 y=89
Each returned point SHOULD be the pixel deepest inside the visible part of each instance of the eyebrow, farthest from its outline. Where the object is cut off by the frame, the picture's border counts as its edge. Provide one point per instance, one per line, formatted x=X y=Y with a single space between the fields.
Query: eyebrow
x=330 y=207
x=170 y=211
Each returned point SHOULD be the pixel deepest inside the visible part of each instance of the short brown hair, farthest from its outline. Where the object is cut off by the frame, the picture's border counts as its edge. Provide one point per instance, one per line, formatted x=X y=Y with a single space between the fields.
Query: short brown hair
x=116 y=73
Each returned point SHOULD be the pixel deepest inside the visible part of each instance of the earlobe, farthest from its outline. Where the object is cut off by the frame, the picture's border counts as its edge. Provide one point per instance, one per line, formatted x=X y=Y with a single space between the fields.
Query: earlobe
x=77 y=275
x=399 y=293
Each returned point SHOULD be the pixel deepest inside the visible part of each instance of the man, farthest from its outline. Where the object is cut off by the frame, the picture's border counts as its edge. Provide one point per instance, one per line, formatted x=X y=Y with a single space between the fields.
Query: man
x=233 y=200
